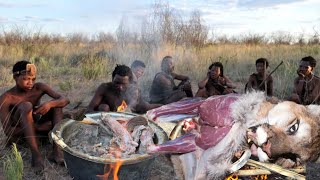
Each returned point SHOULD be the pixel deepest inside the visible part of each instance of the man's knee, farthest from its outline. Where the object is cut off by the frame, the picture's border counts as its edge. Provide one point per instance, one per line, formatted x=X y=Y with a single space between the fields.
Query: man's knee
x=24 y=107
x=202 y=93
x=53 y=112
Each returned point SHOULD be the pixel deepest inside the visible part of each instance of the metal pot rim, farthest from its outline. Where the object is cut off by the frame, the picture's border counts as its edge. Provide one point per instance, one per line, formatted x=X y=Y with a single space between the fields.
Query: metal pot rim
x=57 y=136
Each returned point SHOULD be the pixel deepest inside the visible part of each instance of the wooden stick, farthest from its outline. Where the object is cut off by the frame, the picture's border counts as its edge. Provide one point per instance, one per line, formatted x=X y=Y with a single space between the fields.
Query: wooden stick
x=277 y=169
x=253 y=172
x=263 y=82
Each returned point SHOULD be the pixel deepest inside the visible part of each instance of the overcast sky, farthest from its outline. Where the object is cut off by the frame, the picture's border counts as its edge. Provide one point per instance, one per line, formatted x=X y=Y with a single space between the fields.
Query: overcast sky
x=231 y=17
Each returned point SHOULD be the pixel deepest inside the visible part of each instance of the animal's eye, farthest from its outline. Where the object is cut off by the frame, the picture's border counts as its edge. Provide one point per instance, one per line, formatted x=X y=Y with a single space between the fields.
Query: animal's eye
x=294 y=128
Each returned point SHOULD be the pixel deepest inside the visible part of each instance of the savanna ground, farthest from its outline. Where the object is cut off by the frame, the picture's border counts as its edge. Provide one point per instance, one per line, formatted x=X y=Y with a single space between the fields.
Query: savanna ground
x=75 y=67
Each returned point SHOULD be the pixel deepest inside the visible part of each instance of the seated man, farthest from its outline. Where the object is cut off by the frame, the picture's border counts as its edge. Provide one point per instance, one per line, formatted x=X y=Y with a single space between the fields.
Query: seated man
x=256 y=80
x=109 y=96
x=164 y=90
x=307 y=85
x=21 y=112
x=137 y=68
x=215 y=83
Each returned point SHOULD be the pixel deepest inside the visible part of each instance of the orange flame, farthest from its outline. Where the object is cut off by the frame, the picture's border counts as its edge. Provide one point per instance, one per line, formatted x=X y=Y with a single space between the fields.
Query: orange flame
x=111 y=167
x=122 y=107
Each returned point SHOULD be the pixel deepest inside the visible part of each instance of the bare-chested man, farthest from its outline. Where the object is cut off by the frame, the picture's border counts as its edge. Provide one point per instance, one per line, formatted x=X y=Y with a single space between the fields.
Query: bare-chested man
x=256 y=79
x=109 y=96
x=307 y=85
x=23 y=114
x=215 y=83
x=164 y=90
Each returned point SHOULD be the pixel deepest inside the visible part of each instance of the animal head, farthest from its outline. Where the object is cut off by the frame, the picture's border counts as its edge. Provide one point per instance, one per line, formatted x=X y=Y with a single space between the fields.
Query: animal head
x=292 y=131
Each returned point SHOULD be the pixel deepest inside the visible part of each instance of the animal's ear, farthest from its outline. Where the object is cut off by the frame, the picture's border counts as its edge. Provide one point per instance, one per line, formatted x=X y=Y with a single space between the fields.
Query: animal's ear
x=314 y=110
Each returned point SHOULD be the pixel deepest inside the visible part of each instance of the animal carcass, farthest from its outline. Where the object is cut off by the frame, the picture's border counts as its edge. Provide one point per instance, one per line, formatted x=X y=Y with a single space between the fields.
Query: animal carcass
x=226 y=122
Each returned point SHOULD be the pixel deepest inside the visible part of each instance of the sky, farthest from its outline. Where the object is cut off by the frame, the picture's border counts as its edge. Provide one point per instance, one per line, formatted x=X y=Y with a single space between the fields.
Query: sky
x=229 y=17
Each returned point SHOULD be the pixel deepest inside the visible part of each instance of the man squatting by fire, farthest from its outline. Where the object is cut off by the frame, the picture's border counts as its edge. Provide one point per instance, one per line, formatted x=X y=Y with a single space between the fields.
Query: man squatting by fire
x=163 y=89
x=23 y=114
x=110 y=95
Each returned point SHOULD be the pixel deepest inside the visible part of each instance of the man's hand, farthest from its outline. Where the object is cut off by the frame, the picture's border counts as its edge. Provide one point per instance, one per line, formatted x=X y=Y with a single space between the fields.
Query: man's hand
x=300 y=74
x=43 y=108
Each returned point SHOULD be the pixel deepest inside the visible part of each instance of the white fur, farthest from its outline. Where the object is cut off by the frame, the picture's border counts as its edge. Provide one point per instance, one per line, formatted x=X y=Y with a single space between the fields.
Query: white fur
x=217 y=160
x=262 y=136
x=280 y=112
x=263 y=157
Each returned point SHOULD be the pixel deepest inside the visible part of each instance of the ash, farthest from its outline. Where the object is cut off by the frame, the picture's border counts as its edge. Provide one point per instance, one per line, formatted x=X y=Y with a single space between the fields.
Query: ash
x=94 y=141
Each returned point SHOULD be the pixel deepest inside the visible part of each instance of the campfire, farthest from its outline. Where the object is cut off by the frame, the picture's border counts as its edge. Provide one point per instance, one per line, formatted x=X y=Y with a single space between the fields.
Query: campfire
x=122 y=107
x=109 y=145
x=111 y=168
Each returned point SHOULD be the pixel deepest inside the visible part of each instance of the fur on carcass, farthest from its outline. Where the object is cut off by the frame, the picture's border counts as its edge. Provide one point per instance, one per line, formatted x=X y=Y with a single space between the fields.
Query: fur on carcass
x=273 y=122
x=247 y=111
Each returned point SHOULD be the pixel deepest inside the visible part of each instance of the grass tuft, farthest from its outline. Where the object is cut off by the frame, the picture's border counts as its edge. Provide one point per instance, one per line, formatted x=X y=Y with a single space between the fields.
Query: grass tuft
x=13 y=165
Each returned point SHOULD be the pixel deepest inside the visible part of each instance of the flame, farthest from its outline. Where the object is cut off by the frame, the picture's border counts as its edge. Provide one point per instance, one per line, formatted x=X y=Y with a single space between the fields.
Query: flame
x=111 y=167
x=122 y=107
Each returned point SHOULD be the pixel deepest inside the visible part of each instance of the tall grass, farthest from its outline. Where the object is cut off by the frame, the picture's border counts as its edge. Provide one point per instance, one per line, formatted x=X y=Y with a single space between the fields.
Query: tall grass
x=68 y=64
x=13 y=165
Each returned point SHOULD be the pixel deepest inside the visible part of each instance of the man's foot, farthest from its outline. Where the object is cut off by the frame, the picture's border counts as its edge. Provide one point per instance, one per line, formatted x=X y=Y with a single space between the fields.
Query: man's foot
x=56 y=157
x=37 y=164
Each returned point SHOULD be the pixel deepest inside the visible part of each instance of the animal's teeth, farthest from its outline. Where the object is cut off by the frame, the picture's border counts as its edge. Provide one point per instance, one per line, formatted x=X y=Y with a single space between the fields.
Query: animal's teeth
x=262 y=136
x=249 y=140
x=263 y=157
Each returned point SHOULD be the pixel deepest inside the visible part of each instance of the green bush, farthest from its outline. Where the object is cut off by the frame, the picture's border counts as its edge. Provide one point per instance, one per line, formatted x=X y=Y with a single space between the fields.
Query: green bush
x=13 y=165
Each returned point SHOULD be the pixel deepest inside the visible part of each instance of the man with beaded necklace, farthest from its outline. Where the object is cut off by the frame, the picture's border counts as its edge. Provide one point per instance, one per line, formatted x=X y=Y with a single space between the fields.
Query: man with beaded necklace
x=307 y=85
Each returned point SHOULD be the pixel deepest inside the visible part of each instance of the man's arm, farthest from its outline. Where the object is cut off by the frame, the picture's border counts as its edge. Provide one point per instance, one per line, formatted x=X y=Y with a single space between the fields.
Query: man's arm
x=270 y=86
x=250 y=83
x=58 y=99
x=143 y=106
x=229 y=83
x=314 y=97
x=297 y=89
x=203 y=83
x=97 y=99
x=180 y=77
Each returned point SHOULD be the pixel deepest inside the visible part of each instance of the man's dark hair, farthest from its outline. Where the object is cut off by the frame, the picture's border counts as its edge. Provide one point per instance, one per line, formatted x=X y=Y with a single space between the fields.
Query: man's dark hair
x=138 y=63
x=165 y=61
x=311 y=61
x=263 y=60
x=122 y=70
x=217 y=64
x=20 y=66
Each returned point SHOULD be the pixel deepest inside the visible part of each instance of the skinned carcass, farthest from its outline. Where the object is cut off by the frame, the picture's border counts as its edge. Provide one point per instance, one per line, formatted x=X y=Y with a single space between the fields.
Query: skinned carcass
x=276 y=129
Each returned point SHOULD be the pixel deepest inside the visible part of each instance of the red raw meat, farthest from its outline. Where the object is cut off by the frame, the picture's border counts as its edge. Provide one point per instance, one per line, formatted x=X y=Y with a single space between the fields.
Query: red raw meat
x=185 y=106
x=183 y=144
x=215 y=111
x=215 y=122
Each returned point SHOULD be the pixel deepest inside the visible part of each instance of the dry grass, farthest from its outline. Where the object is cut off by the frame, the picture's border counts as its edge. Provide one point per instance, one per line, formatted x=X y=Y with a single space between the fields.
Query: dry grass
x=77 y=68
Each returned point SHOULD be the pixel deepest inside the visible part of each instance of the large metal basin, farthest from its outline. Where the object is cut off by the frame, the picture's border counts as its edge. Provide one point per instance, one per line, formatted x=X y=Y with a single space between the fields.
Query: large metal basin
x=86 y=167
